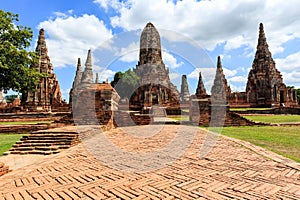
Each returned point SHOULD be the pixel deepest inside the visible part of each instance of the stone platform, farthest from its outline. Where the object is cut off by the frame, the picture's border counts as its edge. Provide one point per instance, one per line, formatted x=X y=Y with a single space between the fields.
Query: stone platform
x=231 y=170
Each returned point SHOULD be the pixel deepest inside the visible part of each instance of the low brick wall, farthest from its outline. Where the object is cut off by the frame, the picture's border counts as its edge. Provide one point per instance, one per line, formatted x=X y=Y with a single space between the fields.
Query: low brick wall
x=27 y=128
x=203 y=113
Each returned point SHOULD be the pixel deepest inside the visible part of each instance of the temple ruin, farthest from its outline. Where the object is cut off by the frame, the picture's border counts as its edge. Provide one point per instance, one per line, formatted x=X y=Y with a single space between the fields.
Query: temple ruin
x=265 y=87
x=155 y=86
x=47 y=94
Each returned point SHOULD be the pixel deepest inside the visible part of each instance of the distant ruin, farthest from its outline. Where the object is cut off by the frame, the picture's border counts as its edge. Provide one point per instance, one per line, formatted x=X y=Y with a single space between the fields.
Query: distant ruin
x=265 y=87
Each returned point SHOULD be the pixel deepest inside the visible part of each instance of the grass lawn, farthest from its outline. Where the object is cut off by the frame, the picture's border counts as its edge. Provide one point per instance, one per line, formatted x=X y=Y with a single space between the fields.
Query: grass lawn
x=245 y=109
x=274 y=118
x=25 y=123
x=7 y=140
x=179 y=117
x=282 y=140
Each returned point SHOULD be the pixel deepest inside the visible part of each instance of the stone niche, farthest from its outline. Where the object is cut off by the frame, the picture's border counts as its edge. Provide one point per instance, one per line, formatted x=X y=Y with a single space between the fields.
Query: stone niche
x=95 y=105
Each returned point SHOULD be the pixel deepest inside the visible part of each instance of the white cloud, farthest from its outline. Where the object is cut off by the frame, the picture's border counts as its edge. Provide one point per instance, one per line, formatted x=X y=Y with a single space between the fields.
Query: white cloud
x=69 y=37
x=174 y=76
x=229 y=73
x=291 y=62
x=237 y=79
x=129 y=53
x=214 y=22
x=170 y=61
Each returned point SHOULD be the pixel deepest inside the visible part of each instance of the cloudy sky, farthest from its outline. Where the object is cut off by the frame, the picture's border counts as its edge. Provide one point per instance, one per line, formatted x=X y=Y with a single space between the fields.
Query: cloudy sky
x=208 y=28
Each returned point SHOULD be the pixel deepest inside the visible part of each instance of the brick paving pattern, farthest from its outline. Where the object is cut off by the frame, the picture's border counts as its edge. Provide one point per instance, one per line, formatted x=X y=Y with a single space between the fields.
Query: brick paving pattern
x=229 y=171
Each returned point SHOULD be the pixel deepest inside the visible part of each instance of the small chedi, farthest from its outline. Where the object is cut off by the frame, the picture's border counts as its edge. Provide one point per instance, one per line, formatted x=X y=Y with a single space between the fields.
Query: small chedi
x=155 y=86
x=184 y=92
x=47 y=94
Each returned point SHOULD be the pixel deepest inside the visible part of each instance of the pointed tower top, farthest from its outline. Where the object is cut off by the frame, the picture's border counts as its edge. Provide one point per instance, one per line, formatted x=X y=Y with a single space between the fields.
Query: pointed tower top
x=79 y=68
x=219 y=64
x=150 y=47
x=41 y=47
x=220 y=89
x=262 y=41
x=149 y=24
x=200 y=91
x=87 y=75
x=88 y=62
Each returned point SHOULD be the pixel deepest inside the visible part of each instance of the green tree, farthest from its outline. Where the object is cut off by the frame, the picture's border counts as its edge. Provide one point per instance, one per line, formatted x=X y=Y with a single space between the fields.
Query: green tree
x=125 y=83
x=298 y=95
x=10 y=98
x=15 y=60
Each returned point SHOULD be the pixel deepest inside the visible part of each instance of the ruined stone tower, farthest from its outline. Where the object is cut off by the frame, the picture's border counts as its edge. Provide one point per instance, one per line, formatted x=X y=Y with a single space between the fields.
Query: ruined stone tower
x=47 y=94
x=184 y=92
x=155 y=86
x=265 y=85
x=220 y=89
x=87 y=75
x=200 y=91
x=76 y=82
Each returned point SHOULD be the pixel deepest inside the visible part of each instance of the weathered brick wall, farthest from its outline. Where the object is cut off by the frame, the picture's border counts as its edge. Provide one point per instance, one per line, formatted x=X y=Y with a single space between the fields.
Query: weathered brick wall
x=203 y=113
x=95 y=105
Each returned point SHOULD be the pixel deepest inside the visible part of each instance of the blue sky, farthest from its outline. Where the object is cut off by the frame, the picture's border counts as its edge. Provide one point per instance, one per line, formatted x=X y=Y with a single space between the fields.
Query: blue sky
x=210 y=28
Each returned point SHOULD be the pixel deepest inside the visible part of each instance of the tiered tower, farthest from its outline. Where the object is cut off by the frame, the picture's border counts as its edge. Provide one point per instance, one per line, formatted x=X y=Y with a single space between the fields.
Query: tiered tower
x=47 y=94
x=265 y=85
x=154 y=81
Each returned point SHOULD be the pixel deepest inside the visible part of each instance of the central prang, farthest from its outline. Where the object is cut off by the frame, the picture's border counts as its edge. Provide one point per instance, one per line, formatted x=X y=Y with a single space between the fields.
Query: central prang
x=155 y=86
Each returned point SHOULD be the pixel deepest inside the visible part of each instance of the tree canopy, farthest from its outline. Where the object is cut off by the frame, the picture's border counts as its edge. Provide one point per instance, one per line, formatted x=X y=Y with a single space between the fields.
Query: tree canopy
x=125 y=83
x=15 y=60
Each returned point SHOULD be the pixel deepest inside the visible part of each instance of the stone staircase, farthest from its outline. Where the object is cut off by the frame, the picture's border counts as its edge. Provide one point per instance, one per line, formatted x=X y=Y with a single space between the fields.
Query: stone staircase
x=45 y=142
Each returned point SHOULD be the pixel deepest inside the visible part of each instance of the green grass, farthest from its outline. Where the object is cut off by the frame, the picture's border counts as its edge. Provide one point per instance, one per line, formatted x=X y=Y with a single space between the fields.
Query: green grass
x=179 y=117
x=274 y=118
x=282 y=140
x=7 y=140
x=245 y=109
x=25 y=122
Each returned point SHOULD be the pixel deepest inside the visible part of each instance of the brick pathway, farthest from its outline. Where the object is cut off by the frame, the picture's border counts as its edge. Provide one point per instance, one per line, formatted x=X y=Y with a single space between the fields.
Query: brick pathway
x=230 y=170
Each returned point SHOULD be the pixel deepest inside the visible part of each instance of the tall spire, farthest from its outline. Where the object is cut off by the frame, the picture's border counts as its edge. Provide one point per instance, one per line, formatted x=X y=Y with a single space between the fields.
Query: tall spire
x=150 y=47
x=220 y=89
x=200 y=91
x=42 y=50
x=87 y=76
x=97 y=78
x=184 y=92
x=78 y=75
x=262 y=49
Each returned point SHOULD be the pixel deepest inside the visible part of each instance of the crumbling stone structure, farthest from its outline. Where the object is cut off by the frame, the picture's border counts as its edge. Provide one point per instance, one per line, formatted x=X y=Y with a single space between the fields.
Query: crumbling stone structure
x=200 y=91
x=265 y=87
x=47 y=94
x=184 y=92
x=92 y=103
x=213 y=110
x=155 y=86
